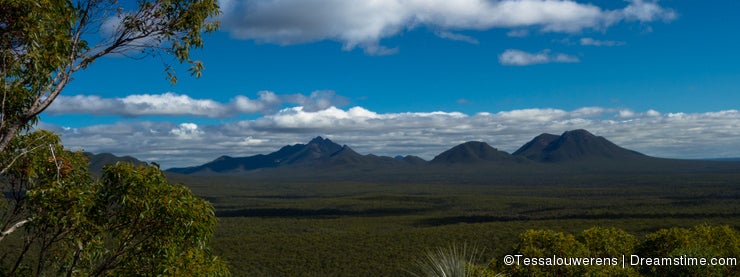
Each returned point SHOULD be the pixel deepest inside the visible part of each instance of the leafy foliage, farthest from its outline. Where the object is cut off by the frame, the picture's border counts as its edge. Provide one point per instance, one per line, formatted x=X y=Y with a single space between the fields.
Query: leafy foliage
x=35 y=42
x=43 y=43
x=548 y=243
x=131 y=222
x=58 y=220
x=609 y=243
x=699 y=241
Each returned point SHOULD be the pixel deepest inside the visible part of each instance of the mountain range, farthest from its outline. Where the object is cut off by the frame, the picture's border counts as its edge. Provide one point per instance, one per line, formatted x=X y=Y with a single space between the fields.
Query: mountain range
x=545 y=158
x=321 y=153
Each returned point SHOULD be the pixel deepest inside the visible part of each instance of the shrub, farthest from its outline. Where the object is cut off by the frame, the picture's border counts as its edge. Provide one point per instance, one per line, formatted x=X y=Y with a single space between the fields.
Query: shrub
x=609 y=243
x=546 y=244
x=701 y=241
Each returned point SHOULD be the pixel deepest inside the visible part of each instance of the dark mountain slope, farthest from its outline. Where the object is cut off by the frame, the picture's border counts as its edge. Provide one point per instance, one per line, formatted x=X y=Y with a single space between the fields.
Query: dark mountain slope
x=576 y=145
x=534 y=148
x=319 y=153
x=572 y=153
x=346 y=157
x=471 y=152
x=412 y=160
x=316 y=149
x=98 y=161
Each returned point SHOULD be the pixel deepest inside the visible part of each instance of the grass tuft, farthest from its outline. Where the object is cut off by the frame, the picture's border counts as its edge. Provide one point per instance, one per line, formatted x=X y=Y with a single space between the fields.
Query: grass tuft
x=451 y=261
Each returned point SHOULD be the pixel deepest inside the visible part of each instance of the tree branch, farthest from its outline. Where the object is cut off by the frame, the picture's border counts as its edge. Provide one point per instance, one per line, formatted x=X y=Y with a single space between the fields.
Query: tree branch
x=14 y=228
x=23 y=153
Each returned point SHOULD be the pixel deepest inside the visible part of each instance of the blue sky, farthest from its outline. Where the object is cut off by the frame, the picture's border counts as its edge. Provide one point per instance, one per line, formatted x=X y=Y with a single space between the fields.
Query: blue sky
x=396 y=77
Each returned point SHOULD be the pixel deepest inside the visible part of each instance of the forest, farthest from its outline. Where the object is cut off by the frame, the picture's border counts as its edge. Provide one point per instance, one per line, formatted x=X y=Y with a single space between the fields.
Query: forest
x=314 y=228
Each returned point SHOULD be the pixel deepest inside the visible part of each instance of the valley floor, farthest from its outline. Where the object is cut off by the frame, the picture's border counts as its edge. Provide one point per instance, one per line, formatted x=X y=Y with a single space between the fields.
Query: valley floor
x=302 y=228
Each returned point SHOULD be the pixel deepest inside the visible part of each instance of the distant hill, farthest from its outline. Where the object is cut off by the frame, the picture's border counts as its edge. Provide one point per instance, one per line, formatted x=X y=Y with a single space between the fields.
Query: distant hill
x=317 y=153
x=576 y=145
x=411 y=159
x=534 y=149
x=545 y=155
x=98 y=161
x=472 y=152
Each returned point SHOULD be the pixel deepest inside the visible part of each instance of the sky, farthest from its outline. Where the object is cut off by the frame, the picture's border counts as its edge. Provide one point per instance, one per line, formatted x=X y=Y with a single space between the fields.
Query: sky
x=417 y=77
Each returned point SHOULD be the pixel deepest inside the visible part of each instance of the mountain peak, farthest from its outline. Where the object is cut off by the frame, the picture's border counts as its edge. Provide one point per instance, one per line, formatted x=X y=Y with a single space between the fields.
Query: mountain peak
x=533 y=149
x=578 y=134
x=320 y=140
x=576 y=145
x=471 y=152
x=573 y=145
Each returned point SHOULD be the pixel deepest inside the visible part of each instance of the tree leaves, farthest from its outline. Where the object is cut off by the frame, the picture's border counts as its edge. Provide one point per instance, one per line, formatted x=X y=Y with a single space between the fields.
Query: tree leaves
x=43 y=43
x=131 y=222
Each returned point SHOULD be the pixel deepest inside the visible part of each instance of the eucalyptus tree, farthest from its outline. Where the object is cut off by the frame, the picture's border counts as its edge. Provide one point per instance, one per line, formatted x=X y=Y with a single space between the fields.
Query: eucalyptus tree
x=54 y=218
x=57 y=220
x=44 y=42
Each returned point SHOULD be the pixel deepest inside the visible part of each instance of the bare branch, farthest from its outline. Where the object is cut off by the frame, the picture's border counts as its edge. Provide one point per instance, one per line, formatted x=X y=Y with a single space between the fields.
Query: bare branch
x=14 y=228
x=23 y=153
x=56 y=162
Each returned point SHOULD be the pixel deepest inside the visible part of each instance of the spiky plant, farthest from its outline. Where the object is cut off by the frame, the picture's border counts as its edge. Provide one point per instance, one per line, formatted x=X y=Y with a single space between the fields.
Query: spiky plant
x=451 y=261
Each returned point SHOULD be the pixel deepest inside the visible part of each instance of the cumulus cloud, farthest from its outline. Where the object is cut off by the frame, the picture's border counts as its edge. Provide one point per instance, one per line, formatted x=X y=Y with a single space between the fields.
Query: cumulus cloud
x=516 y=57
x=644 y=11
x=137 y=105
x=317 y=100
x=679 y=135
x=186 y=131
x=267 y=100
x=357 y=23
x=173 y=104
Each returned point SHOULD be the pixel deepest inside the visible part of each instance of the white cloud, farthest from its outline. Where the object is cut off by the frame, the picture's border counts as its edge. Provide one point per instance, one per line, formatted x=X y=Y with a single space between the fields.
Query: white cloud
x=85 y=104
x=457 y=37
x=317 y=100
x=186 y=131
x=299 y=118
x=137 y=105
x=652 y=113
x=358 y=23
x=520 y=58
x=532 y=115
x=518 y=33
x=172 y=104
x=564 y=58
x=626 y=113
x=594 y=42
x=644 y=11
x=681 y=135
x=268 y=100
